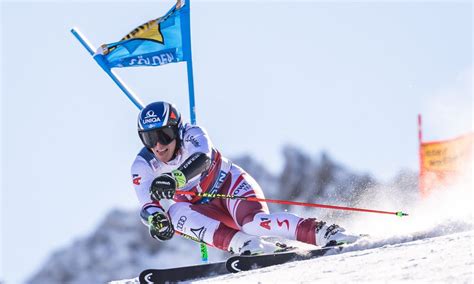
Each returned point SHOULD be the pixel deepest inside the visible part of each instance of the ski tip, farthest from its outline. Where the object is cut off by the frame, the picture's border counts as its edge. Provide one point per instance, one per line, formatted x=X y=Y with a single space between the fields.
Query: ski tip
x=401 y=214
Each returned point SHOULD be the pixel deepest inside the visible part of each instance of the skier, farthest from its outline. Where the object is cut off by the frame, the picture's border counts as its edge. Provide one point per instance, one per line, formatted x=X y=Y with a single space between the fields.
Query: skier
x=181 y=156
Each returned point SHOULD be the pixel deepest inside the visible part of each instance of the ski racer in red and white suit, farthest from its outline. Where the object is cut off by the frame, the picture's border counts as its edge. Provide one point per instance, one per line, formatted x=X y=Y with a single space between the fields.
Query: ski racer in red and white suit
x=189 y=162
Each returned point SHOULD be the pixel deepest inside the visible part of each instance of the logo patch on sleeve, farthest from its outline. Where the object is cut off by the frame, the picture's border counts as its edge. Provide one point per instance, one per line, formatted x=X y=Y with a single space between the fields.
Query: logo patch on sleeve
x=192 y=140
x=136 y=179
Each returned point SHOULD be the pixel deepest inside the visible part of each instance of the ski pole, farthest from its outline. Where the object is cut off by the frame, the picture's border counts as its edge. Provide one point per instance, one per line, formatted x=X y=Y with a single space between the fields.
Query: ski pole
x=204 y=252
x=256 y=199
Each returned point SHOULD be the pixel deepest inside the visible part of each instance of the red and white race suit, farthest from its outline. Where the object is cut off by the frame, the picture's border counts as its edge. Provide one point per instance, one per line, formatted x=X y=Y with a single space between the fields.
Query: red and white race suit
x=215 y=221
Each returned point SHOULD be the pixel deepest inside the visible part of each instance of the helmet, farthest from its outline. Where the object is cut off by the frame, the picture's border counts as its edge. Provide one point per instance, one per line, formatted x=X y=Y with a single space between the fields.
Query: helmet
x=158 y=122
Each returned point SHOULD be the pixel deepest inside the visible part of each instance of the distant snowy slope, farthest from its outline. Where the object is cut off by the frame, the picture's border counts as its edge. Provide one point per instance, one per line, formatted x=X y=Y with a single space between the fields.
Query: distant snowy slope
x=445 y=259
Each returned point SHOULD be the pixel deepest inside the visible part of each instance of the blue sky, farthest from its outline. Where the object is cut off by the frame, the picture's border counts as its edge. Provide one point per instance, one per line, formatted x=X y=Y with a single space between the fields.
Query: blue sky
x=347 y=78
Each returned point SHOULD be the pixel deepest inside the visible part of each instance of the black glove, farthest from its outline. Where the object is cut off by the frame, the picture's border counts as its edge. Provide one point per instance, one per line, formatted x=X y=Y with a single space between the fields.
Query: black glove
x=163 y=187
x=160 y=226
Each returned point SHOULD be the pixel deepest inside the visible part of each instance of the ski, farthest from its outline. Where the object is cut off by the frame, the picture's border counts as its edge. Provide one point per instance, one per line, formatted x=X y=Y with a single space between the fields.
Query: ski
x=179 y=274
x=248 y=262
x=233 y=264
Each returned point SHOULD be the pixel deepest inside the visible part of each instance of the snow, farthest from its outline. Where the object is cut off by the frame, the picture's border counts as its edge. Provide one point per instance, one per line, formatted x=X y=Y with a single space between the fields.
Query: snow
x=441 y=259
x=446 y=259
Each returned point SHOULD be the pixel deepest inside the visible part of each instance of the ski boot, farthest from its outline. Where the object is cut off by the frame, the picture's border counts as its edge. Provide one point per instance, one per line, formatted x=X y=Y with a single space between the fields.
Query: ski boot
x=245 y=244
x=333 y=235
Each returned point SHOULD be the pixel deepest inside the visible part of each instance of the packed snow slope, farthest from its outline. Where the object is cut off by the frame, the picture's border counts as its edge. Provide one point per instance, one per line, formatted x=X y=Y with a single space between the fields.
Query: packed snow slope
x=446 y=259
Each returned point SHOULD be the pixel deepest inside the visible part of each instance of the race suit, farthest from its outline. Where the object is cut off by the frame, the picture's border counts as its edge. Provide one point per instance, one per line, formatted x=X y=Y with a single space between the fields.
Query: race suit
x=214 y=221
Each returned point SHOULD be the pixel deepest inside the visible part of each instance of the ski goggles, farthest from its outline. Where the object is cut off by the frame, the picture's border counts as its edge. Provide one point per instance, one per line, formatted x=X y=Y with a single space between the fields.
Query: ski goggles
x=164 y=136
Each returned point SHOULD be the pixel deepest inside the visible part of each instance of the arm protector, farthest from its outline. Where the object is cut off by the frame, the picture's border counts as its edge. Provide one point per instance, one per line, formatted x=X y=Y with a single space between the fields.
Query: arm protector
x=196 y=164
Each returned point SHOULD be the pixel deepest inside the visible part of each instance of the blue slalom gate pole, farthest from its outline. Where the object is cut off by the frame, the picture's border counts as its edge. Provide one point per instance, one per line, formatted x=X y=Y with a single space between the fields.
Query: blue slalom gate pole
x=192 y=106
x=186 y=34
x=100 y=60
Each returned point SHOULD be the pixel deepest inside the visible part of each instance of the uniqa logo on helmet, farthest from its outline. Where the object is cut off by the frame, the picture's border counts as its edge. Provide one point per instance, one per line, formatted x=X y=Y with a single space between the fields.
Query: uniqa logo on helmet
x=151 y=117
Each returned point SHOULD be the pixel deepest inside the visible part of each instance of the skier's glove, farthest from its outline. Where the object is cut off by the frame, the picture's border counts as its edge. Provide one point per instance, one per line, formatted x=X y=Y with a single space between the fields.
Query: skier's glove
x=160 y=226
x=164 y=186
